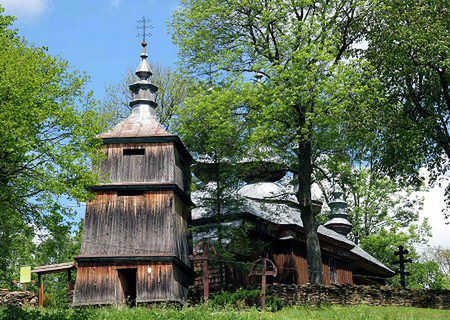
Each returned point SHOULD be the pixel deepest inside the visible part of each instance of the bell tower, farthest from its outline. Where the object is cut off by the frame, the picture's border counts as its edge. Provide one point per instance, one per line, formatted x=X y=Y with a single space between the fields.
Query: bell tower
x=135 y=246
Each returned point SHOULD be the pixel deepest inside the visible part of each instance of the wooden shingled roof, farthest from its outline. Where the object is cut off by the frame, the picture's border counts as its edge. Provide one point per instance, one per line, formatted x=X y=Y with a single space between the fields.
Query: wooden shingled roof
x=53 y=268
x=140 y=123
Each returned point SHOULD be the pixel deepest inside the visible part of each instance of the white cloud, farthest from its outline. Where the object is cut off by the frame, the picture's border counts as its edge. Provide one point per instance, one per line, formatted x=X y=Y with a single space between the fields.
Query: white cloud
x=25 y=8
x=432 y=209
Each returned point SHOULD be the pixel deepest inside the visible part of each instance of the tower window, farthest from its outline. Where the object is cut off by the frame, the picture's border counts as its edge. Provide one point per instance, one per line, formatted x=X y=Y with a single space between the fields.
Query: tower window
x=129 y=193
x=133 y=152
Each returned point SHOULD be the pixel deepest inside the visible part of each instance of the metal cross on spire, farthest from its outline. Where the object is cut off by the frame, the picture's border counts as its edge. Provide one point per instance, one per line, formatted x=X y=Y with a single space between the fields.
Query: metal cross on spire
x=144 y=25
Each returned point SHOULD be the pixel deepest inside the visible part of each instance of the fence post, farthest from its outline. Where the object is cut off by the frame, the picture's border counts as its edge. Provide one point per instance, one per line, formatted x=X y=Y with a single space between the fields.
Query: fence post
x=204 y=258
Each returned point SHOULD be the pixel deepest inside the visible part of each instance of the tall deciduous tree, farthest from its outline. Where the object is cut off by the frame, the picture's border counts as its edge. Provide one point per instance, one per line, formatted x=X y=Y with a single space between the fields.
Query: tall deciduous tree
x=48 y=137
x=408 y=44
x=299 y=47
x=211 y=127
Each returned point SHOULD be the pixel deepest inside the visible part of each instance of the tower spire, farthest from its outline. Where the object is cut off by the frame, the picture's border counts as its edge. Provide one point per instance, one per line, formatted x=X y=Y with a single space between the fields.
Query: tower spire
x=143 y=91
x=339 y=216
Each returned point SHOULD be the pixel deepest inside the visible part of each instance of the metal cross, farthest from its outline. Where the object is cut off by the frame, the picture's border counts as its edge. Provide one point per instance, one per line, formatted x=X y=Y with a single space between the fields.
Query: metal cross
x=144 y=24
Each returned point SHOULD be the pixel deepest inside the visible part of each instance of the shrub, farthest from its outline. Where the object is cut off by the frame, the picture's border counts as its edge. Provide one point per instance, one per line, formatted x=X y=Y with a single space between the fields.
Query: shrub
x=243 y=298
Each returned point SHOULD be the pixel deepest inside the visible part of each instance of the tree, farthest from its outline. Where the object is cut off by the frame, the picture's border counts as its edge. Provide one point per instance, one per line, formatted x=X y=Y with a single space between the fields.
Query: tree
x=48 y=141
x=375 y=201
x=16 y=245
x=299 y=47
x=61 y=243
x=441 y=256
x=172 y=90
x=408 y=44
x=384 y=214
x=210 y=126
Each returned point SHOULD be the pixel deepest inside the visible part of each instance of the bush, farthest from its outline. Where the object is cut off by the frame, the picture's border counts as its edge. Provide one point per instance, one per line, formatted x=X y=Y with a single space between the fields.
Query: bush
x=243 y=298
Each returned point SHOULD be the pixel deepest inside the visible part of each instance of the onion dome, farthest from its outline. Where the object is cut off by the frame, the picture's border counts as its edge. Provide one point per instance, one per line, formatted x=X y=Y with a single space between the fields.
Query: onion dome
x=143 y=90
x=262 y=191
x=338 y=218
x=142 y=121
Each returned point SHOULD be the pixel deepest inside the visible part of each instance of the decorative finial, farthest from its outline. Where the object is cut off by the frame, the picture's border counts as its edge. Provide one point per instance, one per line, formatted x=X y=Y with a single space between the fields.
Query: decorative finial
x=143 y=91
x=144 y=24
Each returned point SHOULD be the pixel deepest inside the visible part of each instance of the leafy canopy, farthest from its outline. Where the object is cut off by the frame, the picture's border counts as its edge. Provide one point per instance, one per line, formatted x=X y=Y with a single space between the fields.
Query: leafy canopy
x=48 y=142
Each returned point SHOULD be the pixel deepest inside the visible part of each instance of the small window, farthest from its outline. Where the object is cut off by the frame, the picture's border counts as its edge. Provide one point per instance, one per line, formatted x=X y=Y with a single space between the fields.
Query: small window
x=130 y=193
x=133 y=152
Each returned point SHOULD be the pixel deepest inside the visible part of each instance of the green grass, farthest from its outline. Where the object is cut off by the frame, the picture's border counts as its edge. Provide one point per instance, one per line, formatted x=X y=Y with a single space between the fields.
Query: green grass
x=205 y=313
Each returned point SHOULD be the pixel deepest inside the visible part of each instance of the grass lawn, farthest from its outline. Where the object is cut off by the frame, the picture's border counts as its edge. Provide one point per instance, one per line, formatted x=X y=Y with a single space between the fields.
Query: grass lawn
x=205 y=313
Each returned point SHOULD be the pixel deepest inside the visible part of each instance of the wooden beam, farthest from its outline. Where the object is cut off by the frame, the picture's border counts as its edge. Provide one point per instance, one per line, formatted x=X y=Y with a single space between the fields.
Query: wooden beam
x=175 y=139
x=69 y=280
x=40 y=291
x=146 y=187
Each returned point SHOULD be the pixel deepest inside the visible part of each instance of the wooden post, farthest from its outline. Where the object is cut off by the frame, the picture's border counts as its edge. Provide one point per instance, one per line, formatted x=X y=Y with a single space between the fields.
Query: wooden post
x=263 y=285
x=205 y=272
x=69 y=280
x=204 y=258
x=40 y=290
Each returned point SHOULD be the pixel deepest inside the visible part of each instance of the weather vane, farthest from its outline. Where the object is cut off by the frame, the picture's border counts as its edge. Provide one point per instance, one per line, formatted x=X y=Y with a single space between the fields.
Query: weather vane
x=144 y=26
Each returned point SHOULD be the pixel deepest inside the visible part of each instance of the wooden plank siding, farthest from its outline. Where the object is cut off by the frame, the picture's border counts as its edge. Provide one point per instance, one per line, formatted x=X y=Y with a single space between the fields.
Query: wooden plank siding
x=292 y=269
x=161 y=163
x=152 y=223
x=129 y=225
x=99 y=283
x=180 y=235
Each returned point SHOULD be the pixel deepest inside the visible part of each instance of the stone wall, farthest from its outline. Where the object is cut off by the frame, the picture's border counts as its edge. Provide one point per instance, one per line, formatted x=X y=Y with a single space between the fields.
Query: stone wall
x=352 y=295
x=367 y=295
x=18 y=298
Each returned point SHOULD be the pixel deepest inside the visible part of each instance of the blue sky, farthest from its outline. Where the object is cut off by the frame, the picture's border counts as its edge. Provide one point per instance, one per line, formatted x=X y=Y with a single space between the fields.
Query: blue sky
x=96 y=36
x=99 y=37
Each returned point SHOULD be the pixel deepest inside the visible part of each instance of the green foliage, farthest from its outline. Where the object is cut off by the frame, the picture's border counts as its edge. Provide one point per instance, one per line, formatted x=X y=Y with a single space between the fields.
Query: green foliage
x=213 y=117
x=61 y=244
x=427 y=275
x=424 y=274
x=48 y=142
x=206 y=313
x=243 y=298
x=298 y=46
x=408 y=44
x=210 y=126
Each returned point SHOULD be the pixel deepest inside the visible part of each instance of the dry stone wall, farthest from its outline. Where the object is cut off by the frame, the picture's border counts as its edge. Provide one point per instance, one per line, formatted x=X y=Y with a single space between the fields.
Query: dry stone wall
x=357 y=295
x=18 y=298
x=317 y=295
x=307 y=295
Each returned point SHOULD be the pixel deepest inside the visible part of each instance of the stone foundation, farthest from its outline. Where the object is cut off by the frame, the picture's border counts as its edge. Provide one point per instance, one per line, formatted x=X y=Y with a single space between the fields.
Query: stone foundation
x=307 y=295
x=349 y=295
x=18 y=298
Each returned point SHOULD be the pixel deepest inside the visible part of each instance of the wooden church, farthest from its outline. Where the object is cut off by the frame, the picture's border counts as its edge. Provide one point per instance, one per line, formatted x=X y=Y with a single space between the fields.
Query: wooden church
x=135 y=248
x=136 y=245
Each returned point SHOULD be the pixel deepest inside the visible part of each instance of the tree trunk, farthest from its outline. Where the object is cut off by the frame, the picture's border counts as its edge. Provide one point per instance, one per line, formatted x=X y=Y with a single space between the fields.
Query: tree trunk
x=308 y=215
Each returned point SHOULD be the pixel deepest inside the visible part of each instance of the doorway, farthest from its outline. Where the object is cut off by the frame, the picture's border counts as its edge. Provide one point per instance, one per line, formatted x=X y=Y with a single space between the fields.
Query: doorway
x=127 y=279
